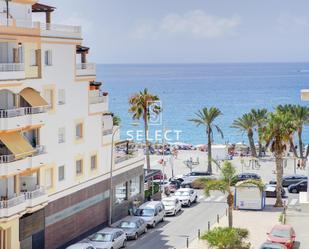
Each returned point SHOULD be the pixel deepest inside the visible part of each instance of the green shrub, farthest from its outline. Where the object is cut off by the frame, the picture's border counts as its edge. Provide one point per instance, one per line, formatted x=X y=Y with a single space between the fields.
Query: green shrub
x=156 y=189
x=227 y=238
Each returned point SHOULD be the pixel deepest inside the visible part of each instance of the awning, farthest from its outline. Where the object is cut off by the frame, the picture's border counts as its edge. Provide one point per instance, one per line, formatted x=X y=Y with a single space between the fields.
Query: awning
x=17 y=144
x=33 y=97
x=38 y=7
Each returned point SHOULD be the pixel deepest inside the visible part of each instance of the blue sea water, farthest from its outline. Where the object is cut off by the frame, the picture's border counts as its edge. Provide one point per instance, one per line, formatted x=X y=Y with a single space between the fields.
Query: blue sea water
x=186 y=88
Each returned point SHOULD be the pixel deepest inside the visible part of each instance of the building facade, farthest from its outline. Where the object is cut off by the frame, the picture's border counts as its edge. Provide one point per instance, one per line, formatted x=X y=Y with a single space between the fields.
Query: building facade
x=56 y=136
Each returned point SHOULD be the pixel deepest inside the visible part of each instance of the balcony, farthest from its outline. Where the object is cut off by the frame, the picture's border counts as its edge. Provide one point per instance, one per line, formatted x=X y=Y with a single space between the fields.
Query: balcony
x=12 y=206
x=59 y=30
x=12 y=71
x=98 y=102
x=10 y=165
x=36 y=197
x=85 y=69
x=126 y=151
x=22 y=117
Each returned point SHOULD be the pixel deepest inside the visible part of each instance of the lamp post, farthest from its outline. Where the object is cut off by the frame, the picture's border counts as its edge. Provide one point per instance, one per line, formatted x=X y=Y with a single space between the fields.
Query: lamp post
x=7 y=12
x=111 y=195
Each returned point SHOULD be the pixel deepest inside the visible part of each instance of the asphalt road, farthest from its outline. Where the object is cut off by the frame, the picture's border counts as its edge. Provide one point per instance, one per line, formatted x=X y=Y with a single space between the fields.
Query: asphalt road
x=173 y=232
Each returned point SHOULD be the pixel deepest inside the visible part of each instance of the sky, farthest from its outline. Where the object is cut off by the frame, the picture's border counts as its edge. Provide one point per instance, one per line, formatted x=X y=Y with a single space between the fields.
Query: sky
x=189 y=31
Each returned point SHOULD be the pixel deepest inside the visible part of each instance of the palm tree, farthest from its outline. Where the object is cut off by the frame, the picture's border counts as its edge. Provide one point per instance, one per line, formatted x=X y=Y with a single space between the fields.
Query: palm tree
x=246 y=124
x=140 y=104
x=116 y=120
x=277 y=133
x=259 y=117
x=206 y=117
x=224 y=184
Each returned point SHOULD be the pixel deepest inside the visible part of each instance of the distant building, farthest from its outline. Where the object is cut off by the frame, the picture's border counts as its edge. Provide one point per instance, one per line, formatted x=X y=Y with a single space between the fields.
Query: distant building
x=55 y=136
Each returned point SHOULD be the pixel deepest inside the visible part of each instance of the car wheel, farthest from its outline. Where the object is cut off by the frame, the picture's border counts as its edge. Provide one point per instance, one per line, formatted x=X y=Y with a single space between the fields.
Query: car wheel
x=189 y=204
x=162 y=219
x=195 y=199
x=154 y=224
x=136 y=236
x=146 y=230
x=175 y=213
x=124 y=244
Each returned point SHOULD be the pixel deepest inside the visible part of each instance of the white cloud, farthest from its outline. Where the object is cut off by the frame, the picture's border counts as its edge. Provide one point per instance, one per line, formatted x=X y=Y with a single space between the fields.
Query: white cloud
x=196 y=23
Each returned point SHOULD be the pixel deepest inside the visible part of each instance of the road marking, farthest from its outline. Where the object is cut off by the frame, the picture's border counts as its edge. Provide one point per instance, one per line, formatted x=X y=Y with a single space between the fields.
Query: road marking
x=293 y=202
x=220 y=198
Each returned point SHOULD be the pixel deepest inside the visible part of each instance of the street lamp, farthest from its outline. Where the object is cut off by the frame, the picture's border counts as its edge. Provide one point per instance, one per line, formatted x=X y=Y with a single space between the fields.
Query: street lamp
x=111 y=177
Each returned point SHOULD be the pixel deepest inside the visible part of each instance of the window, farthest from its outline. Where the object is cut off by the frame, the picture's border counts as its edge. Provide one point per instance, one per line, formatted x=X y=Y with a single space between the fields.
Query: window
x=49 y=97
x=93 y=162
x=48 y=58
x=61 y=97
x=48 y=178
x=121 y=193
x=79 y=131
x=33 y=57
x=61 y=135
x=61 y=173
x=79 y=167
x=135 y=186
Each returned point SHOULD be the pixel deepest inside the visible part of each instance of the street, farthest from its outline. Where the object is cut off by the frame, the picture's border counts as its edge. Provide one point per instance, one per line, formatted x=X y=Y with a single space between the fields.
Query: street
x=173 y=232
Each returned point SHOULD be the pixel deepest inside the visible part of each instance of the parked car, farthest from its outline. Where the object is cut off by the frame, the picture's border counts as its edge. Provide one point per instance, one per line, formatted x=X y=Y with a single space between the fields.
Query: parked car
x=189 y=181
x=272 y=246
x=298 y=187
x=197 y=174
x=271 y=191
x=247 y=176
x=175 y=184
x=152 y=212
x=186 y=196
x=172 y=205
x=159 y=176
x=289 y=180
x=109 y=238
x=282 y=234
x=133 y=227
x=82 y=245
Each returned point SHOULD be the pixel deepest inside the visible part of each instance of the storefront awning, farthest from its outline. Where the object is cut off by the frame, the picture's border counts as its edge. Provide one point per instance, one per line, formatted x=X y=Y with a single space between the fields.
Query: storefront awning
x=33 y=97
x=17 y=144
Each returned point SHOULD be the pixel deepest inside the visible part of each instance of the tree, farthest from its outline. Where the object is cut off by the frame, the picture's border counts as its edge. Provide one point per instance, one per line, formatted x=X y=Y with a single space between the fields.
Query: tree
x=140 y=104
x=116 y=120
x=246 y=124
x=224 y=184
x=207 y=117
x=277 y=133
x=227 y=238
x=259 y=117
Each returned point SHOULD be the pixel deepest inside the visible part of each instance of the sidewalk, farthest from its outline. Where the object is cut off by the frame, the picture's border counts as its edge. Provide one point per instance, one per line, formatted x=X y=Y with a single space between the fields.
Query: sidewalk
x=300 y=222
x=257 y=222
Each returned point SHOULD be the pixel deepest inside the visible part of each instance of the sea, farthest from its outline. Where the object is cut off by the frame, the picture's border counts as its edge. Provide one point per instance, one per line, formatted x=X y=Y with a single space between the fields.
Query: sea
x=184 y=89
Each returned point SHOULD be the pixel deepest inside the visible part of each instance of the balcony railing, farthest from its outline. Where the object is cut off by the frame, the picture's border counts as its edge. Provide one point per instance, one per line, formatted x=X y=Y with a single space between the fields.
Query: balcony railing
x=61 y=28
x=17 y=112
x=12 y=202
x=39 y=150
x=107 y=132
x=35 y=194
x=119 y=158
x=85 y=66
x=97 y=99
x=12 y=67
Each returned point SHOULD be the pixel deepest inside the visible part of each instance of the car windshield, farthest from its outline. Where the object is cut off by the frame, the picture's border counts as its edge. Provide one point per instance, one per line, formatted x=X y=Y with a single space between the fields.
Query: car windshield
x=182 y=193
x=280 y=233
x=101 y=237
x=144 y=212
x=127 y=224
x=168 y=203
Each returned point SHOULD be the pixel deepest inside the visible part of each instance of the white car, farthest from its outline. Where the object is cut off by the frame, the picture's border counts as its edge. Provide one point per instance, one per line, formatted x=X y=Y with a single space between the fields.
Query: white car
x=109 y=238
x=172 y=205
x=81 y=245
x=152 y=212
x=186 y=196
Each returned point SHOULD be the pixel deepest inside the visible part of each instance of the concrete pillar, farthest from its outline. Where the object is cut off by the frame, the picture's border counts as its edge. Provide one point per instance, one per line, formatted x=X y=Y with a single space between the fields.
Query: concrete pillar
x=48 y=17
x=17 y=185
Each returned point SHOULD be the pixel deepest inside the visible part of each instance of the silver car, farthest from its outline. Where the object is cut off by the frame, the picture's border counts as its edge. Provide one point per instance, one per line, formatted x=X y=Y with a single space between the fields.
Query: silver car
x=81 y=245
x=171 y=205
x=108 y=238
x=133 y=227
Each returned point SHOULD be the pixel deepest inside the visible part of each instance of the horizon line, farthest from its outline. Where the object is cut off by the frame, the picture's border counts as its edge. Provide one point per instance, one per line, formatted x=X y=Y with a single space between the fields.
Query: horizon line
x=197 y=63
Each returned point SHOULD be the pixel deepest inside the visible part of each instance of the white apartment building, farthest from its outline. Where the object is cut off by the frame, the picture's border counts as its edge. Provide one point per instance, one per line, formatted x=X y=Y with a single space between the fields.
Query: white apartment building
x=56 y=136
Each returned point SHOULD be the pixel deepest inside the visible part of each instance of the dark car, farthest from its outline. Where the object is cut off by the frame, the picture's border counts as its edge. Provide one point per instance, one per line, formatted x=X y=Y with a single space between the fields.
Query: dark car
x=247 y=176
x=174 y=184
x=271 y=192
x=133 y=227
x=268 y=245
x=289 y=180
x=298 y=187
x=198 y=174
